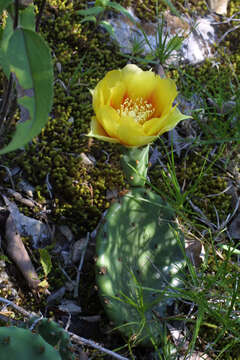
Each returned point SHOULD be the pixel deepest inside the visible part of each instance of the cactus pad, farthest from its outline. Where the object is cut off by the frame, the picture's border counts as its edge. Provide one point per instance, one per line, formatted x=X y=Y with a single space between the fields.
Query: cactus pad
x=137 y=246
x=134 y=163
x=55 y=336
x=17 y=343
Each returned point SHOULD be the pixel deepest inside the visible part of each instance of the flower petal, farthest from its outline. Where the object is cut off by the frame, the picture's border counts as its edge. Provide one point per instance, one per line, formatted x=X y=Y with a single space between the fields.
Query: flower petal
x=130 y=133
x=102 y=92
x=98 y=132
x=157 y=126
x=131 y=69
x=109 y=119
x=172 y=119
x=140 y=84
x=117 y=95
x=163 y=96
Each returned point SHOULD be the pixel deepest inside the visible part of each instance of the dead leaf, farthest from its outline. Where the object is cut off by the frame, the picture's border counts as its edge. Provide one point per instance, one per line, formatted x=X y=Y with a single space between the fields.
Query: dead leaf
x=194 y=251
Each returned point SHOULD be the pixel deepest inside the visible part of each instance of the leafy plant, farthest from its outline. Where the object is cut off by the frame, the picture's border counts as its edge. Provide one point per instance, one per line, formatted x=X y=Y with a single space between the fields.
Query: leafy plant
x=26 y=62
x=96 y=13
x=46 y=262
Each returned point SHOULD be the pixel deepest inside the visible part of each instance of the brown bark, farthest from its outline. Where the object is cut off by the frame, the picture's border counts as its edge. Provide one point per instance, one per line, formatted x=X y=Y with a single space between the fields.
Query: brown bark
x=18 y=253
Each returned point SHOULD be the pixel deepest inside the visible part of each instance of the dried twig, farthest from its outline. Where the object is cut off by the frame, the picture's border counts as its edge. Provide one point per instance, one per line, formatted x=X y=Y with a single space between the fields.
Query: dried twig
x=80 y=340
x=226 y=33
x=80 y=267
x=75 y=338
x=16 y=250
x=16 y=307
x=17 y=196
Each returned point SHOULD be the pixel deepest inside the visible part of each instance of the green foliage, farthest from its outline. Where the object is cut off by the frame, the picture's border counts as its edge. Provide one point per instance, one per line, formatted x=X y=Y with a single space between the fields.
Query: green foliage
x=46 y=262
x=4 y=4
x=137 y=246
x=96 y=13
x=26 y=60
x=164 y=47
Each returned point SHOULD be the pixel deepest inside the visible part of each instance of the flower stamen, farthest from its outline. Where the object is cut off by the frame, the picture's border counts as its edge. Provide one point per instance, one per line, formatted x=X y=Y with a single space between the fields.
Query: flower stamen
x=139 y=109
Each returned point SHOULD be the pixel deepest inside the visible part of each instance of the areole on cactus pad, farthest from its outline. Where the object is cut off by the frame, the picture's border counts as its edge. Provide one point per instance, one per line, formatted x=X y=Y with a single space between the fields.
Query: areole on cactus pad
x=137 y=247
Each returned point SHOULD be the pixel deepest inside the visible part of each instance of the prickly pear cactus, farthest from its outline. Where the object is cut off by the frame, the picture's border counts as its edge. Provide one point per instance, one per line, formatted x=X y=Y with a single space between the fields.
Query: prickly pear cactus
x=135 y=158
x=17 y=343
x=54 y=335
x=137 y=247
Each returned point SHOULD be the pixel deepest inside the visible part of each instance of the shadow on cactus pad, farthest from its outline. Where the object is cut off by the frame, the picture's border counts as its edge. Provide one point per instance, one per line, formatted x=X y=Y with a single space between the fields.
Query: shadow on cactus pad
x=138 y=248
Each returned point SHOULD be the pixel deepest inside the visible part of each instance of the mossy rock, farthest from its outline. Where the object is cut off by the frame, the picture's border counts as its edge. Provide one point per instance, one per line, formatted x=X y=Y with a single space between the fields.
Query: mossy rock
x=138 y=245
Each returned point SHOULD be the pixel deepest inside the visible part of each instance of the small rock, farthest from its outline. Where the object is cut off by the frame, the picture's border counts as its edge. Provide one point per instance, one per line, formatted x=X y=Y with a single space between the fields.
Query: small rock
x=66 y=232
x=87 y=160
x=26 y=226
x=218 y=6
x=70 y=307
x=77 y=249
x=57 y=295
x=111 y=194
x=59 y=67
x=2 y=263
x=3 y=277
x=234 y=228
x=26 y=187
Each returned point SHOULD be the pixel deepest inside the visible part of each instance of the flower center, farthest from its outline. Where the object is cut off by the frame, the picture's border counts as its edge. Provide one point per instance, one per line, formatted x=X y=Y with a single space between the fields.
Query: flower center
x=139 y=109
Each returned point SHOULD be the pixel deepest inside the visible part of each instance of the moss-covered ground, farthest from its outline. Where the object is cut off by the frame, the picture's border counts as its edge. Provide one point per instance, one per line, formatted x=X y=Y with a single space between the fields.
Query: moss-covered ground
x=82 y=55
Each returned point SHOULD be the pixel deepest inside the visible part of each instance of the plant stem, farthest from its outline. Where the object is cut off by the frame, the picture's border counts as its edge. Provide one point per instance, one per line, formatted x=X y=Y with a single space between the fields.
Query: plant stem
x=39 y=17
x=15 y=23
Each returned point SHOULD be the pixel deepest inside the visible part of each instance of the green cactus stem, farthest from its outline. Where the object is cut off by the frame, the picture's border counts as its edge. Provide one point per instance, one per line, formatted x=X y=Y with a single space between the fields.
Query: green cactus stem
x=134 y=162
x=137 y=247
x=17 y=343
x=55 y=336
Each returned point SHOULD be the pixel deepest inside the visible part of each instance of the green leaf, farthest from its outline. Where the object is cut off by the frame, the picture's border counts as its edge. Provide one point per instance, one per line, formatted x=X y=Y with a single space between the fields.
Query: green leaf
x=96 y=10
x=7 y=33
x=172 y=8
x=107 y=26
x=103 y=3
x=4 y=4
x=89 y=18
x=30 y=61
x=27 y=18
x=27 y=21
x=122 y=10
x=45 y=260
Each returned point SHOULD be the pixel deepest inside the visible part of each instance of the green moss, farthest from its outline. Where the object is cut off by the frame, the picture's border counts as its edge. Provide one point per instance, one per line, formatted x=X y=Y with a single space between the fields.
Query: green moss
x=79 y=190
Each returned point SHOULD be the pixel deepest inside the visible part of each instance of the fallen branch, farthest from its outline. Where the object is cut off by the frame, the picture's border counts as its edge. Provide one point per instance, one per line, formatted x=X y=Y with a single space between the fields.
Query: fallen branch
x=17 y=252
x=18 y=308
x=75 y=338
x=80 y=340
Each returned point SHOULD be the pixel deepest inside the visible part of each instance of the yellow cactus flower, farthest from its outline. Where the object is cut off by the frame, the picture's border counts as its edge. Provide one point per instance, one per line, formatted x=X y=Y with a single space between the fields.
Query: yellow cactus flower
x=133 y=107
